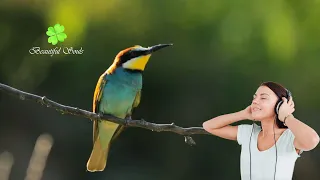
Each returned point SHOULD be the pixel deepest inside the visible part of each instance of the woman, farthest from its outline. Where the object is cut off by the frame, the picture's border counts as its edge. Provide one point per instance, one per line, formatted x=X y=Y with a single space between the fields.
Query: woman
x=265 y=159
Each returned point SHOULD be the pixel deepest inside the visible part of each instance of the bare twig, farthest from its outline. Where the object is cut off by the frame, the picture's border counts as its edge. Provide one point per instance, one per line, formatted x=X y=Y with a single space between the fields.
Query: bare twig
x=186 y=132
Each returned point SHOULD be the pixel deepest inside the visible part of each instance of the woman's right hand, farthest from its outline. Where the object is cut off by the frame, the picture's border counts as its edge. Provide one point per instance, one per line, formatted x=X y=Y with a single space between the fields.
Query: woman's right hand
x=247 y=113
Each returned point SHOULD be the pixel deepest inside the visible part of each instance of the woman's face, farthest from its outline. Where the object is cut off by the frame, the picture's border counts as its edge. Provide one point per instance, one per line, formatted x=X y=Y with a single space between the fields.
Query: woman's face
x=263 y=103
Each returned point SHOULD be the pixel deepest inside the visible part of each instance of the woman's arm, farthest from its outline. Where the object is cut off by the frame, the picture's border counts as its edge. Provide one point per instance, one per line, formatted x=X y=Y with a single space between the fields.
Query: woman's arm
x=306 y=138
x=220 y=125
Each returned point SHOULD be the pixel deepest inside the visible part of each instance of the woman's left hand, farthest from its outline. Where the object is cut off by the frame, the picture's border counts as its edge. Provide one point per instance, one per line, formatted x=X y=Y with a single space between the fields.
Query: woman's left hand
x=286 y=108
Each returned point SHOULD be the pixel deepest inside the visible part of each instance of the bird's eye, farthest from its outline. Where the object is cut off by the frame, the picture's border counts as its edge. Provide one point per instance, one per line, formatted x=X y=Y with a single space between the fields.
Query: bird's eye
x=133 y=54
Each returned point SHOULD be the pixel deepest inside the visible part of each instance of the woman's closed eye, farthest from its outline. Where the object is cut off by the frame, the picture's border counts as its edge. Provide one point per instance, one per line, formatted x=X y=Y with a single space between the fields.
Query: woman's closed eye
x=260 y=98
x=264 y=98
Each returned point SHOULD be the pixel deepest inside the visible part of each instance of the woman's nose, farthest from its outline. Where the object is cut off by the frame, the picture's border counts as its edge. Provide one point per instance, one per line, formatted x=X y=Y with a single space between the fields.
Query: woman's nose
x=254 y=101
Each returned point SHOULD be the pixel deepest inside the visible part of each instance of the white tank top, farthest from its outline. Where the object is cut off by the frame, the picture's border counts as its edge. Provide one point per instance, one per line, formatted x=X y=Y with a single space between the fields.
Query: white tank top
x=263 y=162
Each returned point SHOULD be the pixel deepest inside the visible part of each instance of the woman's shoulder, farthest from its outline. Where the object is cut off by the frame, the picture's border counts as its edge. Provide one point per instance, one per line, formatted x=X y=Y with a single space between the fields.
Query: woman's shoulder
x=245 y=131
x=288 y=142
x=287 y=134
x=249 y=127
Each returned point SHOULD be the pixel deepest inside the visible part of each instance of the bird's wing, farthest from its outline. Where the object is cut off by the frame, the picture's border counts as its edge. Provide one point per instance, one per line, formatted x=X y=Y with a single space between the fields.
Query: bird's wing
x=96 y=101
x=136 y=101
x=135 y=104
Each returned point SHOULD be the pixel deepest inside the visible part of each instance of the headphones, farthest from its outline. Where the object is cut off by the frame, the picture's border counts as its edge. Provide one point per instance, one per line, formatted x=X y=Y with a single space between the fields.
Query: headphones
x=277 y=107
x=280 y=101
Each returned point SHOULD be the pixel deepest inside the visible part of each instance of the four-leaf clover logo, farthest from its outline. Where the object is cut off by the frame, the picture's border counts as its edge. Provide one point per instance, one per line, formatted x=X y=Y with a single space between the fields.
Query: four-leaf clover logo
x=56 y=34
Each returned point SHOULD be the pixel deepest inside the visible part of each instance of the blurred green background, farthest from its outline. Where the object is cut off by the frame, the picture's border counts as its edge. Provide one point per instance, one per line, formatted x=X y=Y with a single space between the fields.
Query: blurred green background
x=222 y=51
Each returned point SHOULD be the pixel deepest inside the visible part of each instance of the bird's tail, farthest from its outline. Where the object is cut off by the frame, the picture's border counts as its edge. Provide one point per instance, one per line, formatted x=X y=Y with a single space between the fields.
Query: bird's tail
x=98 y=157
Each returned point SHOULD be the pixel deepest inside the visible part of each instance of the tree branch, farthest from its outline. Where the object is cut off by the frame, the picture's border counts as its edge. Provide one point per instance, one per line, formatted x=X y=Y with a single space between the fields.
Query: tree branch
x=186 y=132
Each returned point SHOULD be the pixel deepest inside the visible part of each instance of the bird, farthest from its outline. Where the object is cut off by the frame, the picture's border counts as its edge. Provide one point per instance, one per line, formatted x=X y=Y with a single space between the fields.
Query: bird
x=117 y=93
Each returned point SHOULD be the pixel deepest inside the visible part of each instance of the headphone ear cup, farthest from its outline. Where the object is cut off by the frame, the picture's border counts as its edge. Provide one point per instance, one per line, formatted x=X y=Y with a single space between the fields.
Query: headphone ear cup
x=279 y=103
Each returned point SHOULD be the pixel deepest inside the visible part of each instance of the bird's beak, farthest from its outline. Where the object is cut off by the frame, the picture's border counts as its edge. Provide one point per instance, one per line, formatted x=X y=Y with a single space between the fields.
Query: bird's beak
x=157 y=47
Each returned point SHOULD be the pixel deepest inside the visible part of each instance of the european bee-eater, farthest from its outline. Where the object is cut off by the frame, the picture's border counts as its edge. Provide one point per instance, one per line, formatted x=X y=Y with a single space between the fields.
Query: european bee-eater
x=117 y=92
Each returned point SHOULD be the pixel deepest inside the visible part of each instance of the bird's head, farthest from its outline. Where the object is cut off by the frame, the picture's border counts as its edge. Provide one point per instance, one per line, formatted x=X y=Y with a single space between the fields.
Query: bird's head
x=136 y=57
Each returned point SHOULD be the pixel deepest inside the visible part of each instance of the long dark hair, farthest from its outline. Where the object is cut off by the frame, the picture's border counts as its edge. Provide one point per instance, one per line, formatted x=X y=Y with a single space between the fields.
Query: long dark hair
x=280 y=91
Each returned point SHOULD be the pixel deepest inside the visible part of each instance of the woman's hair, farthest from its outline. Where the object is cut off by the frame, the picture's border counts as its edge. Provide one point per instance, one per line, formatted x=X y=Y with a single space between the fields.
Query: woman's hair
x=280 y=91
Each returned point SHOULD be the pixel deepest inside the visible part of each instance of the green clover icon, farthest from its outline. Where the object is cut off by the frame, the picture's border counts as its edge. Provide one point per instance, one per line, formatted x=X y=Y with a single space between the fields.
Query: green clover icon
x=56 y=34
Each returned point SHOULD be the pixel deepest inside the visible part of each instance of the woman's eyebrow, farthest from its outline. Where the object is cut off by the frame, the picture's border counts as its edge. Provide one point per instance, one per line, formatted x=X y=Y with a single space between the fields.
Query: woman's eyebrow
x=262 y=94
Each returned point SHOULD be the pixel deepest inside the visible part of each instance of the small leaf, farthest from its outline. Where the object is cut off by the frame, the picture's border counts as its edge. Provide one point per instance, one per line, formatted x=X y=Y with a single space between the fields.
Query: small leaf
x=61 y=37
x=58 y=28
x=53 y=40
x=50 y=31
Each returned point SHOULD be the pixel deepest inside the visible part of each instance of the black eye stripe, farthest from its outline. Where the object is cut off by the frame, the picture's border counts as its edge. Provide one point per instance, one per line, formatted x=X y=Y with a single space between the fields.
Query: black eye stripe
x=130 y=55
x=133 y=54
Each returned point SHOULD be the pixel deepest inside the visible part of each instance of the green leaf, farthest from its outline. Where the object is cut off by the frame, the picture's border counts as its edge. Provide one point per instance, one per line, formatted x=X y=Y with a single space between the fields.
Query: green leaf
x=56 y=34
x=50 y=31
x=61 y=36
x=53 y=40
x=58 y=28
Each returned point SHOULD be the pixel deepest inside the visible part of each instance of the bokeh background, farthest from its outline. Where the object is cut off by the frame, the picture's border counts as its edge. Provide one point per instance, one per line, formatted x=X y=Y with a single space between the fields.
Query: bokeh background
x=222 y=51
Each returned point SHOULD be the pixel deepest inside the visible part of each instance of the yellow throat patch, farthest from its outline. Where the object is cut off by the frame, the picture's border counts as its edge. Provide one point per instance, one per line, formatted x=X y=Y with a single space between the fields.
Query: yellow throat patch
x=138 y=63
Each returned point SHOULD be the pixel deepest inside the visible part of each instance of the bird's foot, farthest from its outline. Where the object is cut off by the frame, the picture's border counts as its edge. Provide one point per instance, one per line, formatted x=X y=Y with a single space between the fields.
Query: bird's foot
x=100 y=114
x=127 y=119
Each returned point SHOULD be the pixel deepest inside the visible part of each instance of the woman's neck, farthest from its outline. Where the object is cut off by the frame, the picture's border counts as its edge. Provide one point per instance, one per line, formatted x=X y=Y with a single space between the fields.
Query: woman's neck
x=269 y=127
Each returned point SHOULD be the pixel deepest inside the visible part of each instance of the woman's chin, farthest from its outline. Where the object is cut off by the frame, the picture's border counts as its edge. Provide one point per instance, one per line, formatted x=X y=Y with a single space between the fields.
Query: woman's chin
x=257 y=116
